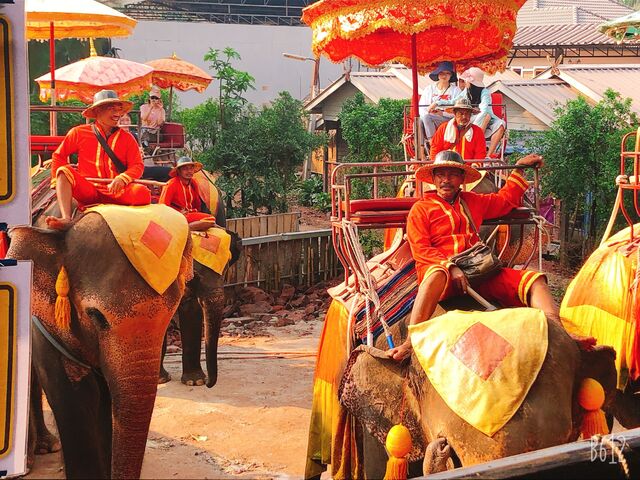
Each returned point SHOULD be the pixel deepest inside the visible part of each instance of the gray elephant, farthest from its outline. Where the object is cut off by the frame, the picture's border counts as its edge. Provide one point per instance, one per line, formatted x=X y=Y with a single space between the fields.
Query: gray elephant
x=373 y=388
x=100 y=372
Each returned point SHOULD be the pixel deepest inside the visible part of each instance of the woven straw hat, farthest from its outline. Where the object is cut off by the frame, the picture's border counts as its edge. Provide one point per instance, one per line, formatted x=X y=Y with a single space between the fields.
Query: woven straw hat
x=450 y=159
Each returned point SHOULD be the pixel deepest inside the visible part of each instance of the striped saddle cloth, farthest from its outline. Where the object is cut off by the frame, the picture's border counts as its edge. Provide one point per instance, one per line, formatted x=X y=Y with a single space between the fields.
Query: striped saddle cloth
x=396 y=300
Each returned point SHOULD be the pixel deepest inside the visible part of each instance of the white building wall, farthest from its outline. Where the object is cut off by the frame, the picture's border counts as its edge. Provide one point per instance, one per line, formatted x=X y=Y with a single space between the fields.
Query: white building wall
x=260 y=46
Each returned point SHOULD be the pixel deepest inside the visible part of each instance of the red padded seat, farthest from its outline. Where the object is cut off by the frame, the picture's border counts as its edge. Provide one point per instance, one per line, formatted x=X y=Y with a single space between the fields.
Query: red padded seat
x=45 y=143
x=381 y=204
x=172 y=135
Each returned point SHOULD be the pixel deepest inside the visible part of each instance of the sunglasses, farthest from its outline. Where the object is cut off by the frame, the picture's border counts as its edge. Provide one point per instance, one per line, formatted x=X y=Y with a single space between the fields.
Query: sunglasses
x=154 y=98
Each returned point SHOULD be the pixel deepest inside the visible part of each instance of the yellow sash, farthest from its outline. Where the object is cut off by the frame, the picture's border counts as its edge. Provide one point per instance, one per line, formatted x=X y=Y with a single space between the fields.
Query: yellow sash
x=212 y=248
x=480 y=363
x=152 y=237
x=208 y=191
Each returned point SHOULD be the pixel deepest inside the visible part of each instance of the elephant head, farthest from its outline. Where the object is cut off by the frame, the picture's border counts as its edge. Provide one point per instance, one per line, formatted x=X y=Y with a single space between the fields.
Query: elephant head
x=117 y=325
x=379 y=392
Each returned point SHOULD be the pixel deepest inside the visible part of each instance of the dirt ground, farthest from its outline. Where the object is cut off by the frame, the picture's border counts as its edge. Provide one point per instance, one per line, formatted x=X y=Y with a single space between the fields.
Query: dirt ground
x=252 y=424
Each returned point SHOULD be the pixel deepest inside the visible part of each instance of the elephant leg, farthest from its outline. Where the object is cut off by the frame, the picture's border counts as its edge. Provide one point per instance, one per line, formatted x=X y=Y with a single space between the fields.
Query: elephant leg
x=82 y=410
x=212 y=303
x=164 y=376
x=45 y=441
x=191 y=316
x=626 y=407
x=436 y=455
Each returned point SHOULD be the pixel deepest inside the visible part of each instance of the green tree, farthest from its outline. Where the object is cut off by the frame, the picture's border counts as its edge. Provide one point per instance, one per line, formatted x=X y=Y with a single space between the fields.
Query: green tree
x=259 y=154
x=233 y=83
x=373 y=132
x=582 y=152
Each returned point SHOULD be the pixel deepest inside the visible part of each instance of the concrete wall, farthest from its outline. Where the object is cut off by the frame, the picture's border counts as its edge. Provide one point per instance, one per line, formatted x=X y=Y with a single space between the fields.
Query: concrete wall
x=261 y=48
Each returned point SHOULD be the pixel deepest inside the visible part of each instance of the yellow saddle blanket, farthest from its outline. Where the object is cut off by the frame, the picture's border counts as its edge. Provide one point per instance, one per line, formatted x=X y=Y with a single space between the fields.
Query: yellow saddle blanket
x=483 y=364
x=212 y=248
x=152 y=237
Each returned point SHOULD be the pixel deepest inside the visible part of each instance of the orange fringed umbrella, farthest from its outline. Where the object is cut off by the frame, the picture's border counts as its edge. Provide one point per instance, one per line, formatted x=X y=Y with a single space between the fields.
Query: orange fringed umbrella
x=83 y=79
x=173 y=72
x=416 y=33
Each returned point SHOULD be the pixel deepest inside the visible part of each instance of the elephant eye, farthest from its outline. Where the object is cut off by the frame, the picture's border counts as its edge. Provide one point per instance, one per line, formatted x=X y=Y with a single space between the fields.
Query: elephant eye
x=97 y=316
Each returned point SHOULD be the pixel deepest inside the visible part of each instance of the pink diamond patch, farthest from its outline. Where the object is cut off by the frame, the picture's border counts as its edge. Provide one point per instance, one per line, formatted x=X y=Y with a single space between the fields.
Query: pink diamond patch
x=156 y=239
x=481 y=349
x=210 y=243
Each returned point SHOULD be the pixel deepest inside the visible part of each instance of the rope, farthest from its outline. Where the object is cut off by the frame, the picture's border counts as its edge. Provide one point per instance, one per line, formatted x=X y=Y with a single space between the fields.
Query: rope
x=365 y=280
x=615 y=449
x=541 y=223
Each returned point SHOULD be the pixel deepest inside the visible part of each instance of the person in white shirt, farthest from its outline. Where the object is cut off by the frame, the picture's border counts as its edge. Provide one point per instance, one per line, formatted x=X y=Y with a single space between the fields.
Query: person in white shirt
x=436 y=95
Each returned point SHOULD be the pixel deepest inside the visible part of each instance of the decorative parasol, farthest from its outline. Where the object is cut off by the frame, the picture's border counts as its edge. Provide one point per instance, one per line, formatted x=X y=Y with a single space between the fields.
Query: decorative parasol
x=416 y=33
x=623 y=28
x=173 y=72
x=81 y=80
x=51 y=19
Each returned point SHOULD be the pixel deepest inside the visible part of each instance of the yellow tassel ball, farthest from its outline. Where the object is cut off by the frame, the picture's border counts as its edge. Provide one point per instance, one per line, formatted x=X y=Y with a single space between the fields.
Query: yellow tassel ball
x=590 y=394
x=398 y=441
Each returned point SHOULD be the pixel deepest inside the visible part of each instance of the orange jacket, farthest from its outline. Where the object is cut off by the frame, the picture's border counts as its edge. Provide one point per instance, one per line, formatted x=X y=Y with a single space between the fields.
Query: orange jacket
x=437 y=230
x=93 y=161
x=183 y=198
x=475 y=149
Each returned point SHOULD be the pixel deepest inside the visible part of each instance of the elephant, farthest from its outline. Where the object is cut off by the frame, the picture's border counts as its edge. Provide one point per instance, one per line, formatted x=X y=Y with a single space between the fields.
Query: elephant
x=202 y=303
x=99 y=373
x=374 y=387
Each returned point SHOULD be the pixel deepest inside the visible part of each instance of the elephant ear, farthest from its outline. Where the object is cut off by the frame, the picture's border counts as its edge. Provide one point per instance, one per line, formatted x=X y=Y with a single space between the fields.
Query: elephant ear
x=599 y=364
x=374 y=390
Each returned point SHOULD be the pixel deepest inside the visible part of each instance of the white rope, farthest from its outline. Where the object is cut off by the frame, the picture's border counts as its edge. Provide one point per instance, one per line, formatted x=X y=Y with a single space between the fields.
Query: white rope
x=351 y=322
x=366 y=283
x=541 y=223
x=615 y=450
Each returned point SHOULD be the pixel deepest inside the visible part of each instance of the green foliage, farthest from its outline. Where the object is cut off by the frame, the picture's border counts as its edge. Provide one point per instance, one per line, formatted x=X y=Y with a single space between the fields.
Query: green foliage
x=372 y=132
x=308 y=188
x=582 y=153
x=310 y=194
x=372 y=242
x=40 y=120
x=233 y=83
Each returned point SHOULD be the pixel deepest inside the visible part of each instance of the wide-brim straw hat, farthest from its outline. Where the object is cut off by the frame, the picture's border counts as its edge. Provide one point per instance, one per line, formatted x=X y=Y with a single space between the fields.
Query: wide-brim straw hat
x=444 y=67
x=183 y=162
x=462 y=104
x=448 y=159
x=106 y=97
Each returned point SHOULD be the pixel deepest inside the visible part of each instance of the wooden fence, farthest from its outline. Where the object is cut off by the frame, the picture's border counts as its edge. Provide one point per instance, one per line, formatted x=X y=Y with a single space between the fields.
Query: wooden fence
x=297 y=258
x=263 y=225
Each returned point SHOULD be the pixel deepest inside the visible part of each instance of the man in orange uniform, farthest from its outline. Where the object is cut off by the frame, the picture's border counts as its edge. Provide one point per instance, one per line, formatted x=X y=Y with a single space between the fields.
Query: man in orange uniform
x=94 y=161
x=181 y=193
x=438 y=228
x=459 y=134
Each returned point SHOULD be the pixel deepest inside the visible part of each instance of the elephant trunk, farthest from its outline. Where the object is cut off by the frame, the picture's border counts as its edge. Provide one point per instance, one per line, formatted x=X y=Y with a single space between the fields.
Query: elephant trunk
x=212 y=319
x=133 y=383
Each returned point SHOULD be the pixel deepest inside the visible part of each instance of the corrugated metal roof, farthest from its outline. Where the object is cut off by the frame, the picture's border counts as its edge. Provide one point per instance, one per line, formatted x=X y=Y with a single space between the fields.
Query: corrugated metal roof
x=538 y=97
x=566 y=35
x=594 y=80
x=539 y=12
x=377 y=85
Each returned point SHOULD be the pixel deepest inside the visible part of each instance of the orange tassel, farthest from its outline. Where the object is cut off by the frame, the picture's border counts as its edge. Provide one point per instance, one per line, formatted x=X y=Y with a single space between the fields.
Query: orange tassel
x=591 y=397
x=398 y=445
x=63 y=305
x=594 y=423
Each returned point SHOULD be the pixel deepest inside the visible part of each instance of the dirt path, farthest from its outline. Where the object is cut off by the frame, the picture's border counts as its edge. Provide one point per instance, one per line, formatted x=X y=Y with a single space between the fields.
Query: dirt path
x=252 y=424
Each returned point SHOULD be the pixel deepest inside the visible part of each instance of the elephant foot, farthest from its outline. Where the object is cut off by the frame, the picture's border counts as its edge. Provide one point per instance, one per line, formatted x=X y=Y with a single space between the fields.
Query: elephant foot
x=47 y=443
x=193 y=379
x=436 y=455
x=164 y=376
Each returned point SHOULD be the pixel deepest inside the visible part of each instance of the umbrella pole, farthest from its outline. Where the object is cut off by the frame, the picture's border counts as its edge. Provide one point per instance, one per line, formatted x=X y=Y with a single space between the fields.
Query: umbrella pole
x=53 y=121
x=417 y=131
x=170 y=102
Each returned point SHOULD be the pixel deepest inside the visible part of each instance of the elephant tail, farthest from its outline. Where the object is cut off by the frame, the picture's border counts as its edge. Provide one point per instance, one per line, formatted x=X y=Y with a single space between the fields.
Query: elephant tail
x=63 y=305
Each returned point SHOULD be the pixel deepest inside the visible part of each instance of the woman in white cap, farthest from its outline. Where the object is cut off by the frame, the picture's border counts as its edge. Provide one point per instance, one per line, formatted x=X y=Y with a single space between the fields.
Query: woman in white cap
x=436 y=95
x=152 y=117
x=493 y=127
